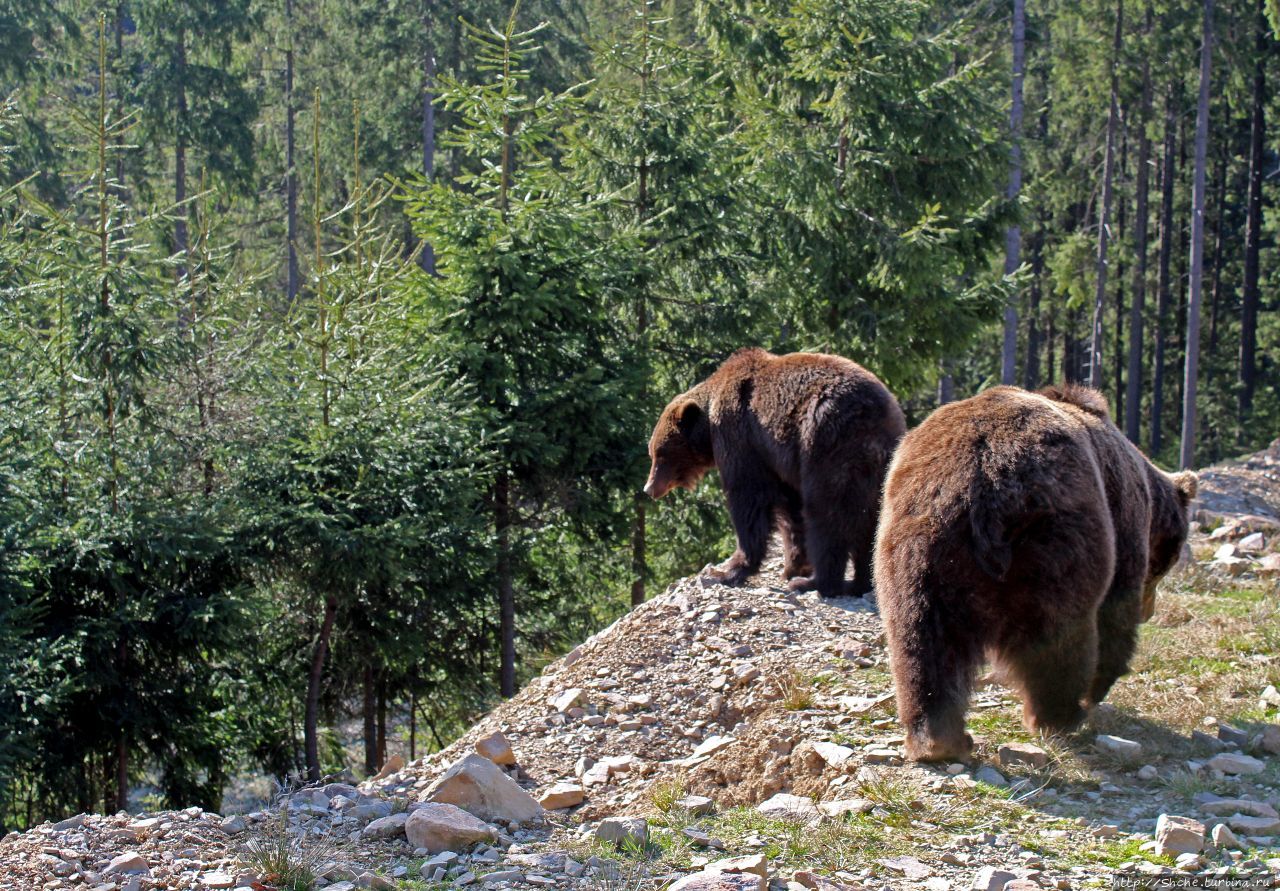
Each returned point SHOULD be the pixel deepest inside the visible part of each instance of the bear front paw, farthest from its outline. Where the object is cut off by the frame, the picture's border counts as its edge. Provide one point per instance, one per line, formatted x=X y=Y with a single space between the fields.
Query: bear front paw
x=729 y=576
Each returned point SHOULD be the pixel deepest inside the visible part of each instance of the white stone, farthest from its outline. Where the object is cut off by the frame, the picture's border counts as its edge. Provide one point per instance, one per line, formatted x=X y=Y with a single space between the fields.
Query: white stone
x=785 y=806
x=1252 y=542
x=711 y=745
x=1116 y=745
x=719 y=881
x=568 y=699
x=833 y=754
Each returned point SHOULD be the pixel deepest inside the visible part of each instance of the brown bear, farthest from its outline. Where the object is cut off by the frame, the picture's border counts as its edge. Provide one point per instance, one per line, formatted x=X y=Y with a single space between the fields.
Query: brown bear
x=802 y=442
x=1024 y=528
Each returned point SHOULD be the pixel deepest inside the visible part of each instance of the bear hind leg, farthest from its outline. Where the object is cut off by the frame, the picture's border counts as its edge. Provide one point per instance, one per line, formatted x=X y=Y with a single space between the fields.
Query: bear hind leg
x=827 y=541
x=933 y=666
x=1054 y=676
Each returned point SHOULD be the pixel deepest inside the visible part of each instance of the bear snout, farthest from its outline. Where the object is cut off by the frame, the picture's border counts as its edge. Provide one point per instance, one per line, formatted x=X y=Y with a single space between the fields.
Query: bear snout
x=654 y=490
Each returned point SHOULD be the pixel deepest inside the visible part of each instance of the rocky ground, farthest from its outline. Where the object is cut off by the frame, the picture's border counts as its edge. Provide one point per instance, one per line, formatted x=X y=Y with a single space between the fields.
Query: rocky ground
x=730 y=739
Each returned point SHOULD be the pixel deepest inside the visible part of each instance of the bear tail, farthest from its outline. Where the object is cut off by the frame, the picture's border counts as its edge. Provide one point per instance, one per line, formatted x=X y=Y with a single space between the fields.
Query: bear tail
x=1081 y=397
x=1000 y=517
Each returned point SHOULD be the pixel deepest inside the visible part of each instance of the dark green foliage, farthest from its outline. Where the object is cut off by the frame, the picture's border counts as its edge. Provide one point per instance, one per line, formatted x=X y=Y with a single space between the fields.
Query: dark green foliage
x=234 y=516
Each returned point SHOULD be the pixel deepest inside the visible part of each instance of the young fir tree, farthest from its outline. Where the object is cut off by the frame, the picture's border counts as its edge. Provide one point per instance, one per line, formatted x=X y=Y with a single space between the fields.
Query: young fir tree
x=878 y=152
x=524 y=298
x=656 y=144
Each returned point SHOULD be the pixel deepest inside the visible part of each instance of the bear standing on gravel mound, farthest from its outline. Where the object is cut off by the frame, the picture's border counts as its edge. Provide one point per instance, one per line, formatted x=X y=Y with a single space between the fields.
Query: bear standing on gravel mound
x=801 y=440
x=1025 y=528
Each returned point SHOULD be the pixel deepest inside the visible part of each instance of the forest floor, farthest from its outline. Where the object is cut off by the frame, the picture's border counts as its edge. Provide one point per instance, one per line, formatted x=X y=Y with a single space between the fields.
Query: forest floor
x=778 y=709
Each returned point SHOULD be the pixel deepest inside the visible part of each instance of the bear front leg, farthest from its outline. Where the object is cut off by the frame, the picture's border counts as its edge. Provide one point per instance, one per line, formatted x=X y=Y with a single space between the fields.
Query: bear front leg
x=751 y=504
x=1118 y=620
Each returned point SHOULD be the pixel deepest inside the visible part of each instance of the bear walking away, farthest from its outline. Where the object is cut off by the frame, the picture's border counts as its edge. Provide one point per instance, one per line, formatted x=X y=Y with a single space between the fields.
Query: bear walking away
x=1022 y=528
x=802 y=442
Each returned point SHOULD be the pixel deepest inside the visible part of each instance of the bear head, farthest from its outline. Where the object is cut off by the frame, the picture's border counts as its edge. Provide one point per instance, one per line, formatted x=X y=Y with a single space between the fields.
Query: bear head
x=680 y=448
x=1171 y=494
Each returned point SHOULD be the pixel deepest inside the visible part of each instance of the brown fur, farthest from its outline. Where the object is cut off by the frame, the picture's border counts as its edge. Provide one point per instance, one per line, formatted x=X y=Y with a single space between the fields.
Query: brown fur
x=801 y=441
x=1022 y=528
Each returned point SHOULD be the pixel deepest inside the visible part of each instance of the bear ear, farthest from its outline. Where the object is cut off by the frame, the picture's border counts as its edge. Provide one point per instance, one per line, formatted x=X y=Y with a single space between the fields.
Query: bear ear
x=1187 y=484
x=688 y=414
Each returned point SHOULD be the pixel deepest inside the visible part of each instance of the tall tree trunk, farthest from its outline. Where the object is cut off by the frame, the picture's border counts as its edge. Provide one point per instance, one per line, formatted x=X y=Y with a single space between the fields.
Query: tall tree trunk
x=946 y=384
x=1133 y=393
x=1048 y=347
x=293 y=279
x=1031 y=369
x=1104 y=212
x=428 y=256
x=180 y=160
x=413 y=726
x=381 y=743
x=1013 y=235
x=311 y=722
x=1164 y=286
x=1219 y=225
x=370 y=725
x=1117 y=354
x=506 y=583
x=639 y=529
x=122 y=770
x=1253 y=224
x=1187 y=453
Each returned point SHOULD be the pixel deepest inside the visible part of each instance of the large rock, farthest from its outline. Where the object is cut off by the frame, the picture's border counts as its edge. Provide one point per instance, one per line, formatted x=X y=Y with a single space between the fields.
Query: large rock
x=623 y=832
x=989 y=878
x=496 y=748
x=845 y=807
x=131 y=863
x=562 y=795
x=1119 y=746
x=442 y=827
x=720 y=881
x=1254 y=826
x=832 y=753
x=394 y=764
x=386 y=827
x=1233 y=763
x=785 y=806
x=478 y=786
x=1012 y=754
x=757 y=864
x=1225 y=807
x=1179 y=835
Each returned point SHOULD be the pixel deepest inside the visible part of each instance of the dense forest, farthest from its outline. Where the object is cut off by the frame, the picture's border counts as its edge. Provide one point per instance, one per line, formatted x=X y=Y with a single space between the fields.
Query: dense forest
x=331 y=333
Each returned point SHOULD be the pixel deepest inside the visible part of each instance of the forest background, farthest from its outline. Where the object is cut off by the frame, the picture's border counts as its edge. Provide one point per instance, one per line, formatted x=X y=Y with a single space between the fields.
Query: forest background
x=331 y=333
